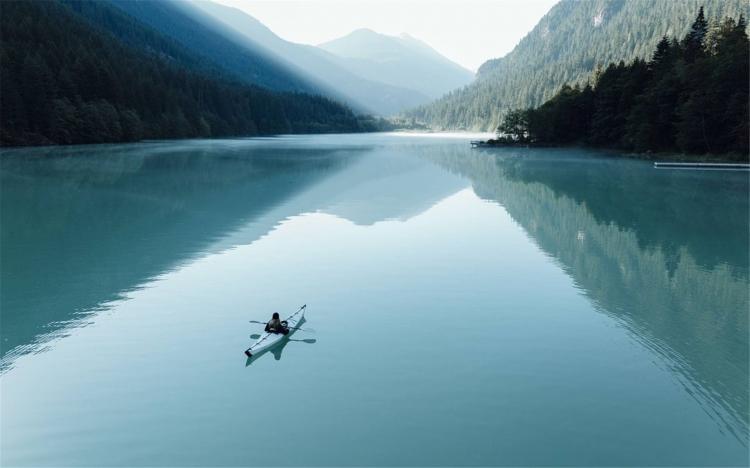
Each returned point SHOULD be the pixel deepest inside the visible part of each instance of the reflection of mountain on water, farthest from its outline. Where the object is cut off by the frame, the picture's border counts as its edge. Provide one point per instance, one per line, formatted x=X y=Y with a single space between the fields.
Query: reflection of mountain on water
x=81 y=226
x=386 y=187
x=685 y=299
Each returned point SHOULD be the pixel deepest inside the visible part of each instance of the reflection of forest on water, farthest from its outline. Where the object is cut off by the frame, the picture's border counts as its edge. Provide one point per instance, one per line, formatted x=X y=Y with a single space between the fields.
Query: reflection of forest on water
x=81 y=226
x=664 y=252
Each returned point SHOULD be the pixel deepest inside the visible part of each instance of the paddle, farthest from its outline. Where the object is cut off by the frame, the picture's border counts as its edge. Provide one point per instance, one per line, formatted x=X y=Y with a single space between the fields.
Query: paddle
x=255 y=336
x=290 y=328
x=263 y=323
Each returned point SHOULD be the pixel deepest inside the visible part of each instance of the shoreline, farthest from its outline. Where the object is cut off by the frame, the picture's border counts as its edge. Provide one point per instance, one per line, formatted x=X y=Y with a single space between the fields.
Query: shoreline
x=225 y=137
x=645 y=156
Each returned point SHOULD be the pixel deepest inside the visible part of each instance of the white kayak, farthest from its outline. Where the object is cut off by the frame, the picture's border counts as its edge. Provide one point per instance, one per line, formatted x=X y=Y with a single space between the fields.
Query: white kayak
x=269 y=340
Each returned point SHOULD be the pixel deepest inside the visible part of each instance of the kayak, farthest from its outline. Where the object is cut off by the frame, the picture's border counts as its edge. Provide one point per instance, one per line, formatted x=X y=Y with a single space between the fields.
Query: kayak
x=269 y=340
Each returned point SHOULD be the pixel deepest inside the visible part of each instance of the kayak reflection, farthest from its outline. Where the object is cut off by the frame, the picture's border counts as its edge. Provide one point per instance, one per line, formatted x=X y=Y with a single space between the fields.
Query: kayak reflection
x=278 y=349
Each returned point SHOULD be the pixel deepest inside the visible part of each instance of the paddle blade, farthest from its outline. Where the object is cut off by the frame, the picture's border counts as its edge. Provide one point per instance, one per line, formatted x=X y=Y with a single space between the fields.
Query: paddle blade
x=308 y=340
x=255 y=336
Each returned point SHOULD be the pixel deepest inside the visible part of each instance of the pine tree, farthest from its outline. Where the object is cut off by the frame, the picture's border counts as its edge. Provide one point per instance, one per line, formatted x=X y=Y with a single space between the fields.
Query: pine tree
x=663 y=54
x=694 y=40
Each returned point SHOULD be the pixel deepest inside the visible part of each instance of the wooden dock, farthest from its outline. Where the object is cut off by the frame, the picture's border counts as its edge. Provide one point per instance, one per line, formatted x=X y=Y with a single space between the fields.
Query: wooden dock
x=703 y=166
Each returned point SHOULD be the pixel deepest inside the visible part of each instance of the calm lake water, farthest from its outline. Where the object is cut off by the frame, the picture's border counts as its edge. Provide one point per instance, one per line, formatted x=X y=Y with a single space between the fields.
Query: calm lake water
x=468 y=307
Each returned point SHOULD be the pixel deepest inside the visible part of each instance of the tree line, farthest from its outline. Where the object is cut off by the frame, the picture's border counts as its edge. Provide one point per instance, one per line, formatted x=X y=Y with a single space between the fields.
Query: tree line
x=565 y=47
x=691 y=96
x=63 y=81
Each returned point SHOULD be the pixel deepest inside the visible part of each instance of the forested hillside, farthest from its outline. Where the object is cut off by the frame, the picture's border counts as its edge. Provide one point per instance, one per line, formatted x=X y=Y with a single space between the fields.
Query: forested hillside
x=207 y=38
x=65 y=81
x=105 y=17
x=691 y=96
x=566 y=46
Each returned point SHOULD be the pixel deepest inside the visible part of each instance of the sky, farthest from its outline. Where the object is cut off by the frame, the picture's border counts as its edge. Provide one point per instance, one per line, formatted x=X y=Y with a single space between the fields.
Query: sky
x=466 y=31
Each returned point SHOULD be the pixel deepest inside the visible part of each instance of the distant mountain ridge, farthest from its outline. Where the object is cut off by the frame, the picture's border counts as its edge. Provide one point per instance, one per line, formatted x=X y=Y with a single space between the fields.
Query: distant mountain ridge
x=565 y=47
x=334 y=76
x=399 y=61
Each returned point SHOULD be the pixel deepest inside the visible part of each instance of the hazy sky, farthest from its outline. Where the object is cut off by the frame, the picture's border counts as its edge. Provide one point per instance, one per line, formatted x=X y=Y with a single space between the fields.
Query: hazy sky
x=466 y=31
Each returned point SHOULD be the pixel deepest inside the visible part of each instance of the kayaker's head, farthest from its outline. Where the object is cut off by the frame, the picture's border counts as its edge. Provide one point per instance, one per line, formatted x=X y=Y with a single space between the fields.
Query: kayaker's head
x=276 y=315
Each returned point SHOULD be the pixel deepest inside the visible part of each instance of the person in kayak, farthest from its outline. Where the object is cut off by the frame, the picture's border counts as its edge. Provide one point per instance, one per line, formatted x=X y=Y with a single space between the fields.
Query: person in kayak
x=275 y=325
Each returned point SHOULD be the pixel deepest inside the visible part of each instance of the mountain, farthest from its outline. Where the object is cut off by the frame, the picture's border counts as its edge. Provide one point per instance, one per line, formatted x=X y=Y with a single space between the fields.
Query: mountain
x=399 y=61
x=317 y=67
x=566 y=46
x=67 y=78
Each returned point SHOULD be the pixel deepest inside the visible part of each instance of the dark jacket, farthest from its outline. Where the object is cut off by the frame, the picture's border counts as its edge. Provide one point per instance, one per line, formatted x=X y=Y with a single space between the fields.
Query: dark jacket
x=274 y=325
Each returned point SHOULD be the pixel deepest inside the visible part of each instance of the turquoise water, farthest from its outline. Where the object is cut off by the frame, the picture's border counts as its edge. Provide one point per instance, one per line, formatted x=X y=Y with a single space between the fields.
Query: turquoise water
x=468 y=307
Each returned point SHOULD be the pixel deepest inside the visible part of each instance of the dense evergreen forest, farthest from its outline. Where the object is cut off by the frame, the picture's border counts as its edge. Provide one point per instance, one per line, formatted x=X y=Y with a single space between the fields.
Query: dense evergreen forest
x=691 y=96
x=65 y=81
x=566 y=46
x=200 y=34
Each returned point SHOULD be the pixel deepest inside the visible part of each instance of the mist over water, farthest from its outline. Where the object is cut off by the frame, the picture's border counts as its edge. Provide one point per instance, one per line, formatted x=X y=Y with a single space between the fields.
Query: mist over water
x=470 y=307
